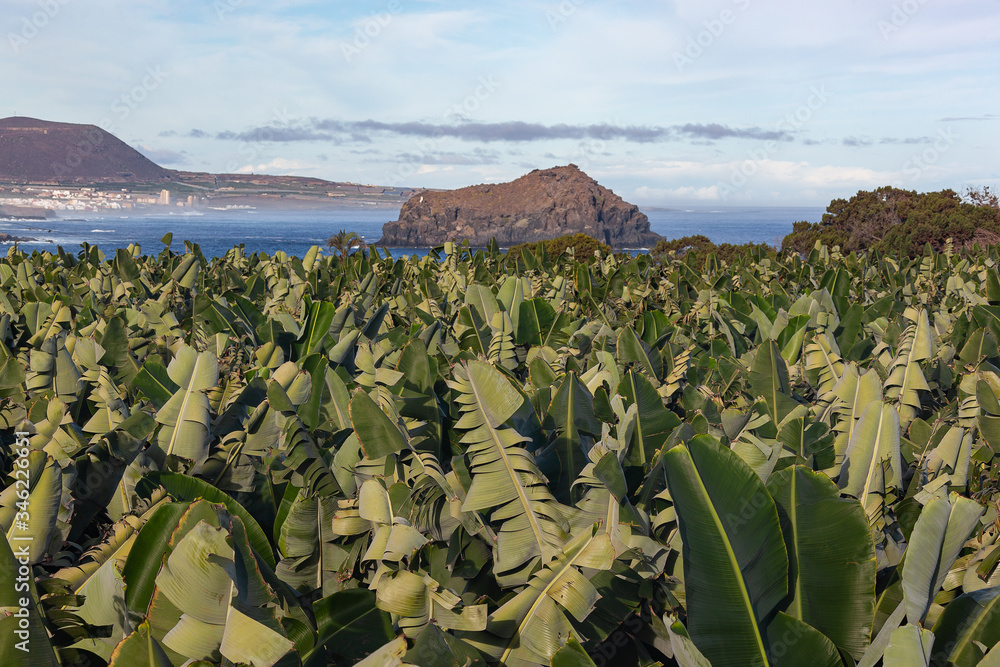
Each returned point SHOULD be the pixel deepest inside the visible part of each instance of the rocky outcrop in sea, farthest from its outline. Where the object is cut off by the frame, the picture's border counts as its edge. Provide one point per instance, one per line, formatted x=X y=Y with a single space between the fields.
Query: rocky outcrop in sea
x=543 y=204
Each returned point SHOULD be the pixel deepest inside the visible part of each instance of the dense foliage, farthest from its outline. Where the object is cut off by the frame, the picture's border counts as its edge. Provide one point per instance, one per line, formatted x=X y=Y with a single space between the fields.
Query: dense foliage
x=696 y=249
x=446 y=461
x=581 y=246
x=898 y=221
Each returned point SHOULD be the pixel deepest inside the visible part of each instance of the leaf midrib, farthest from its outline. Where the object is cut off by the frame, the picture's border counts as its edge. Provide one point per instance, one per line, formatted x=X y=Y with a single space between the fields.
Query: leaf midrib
x=793 y=516
x=966 y=637
x=640 y=440
x=538 y=600
x=876 y=460
x=730 y=554
x=525 y=502
x=188 y=392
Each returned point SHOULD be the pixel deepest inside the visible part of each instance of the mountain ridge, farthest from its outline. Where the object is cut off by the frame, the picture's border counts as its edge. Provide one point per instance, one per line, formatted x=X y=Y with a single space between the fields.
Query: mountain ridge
x=34 y=150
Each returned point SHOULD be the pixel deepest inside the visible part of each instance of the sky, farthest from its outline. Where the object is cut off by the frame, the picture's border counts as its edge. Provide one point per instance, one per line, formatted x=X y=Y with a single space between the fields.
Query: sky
x=669 y=103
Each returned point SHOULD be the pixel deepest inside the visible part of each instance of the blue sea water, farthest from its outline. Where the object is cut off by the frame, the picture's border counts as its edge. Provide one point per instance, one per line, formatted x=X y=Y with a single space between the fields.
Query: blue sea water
x=294 y=232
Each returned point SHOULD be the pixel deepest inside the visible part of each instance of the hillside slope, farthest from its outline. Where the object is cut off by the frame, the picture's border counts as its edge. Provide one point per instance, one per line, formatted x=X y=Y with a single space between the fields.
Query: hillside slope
x=33 y=150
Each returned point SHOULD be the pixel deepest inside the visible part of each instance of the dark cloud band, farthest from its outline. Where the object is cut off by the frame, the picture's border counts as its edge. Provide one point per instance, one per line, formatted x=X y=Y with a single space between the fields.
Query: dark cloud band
x=514 y=131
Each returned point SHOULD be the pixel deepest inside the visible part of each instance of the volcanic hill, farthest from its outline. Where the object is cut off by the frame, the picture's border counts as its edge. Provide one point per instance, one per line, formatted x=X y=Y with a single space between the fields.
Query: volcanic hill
x=38 y=151
x=543 y=204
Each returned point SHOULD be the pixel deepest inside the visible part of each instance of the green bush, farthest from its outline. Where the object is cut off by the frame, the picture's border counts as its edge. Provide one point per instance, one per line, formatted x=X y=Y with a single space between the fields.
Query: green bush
x=700 y=246
x=897 y=221
x=583 y=247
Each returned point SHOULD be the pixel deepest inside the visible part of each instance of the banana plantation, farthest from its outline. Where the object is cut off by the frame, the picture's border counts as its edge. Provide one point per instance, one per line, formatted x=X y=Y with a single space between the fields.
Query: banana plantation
x=460 y=460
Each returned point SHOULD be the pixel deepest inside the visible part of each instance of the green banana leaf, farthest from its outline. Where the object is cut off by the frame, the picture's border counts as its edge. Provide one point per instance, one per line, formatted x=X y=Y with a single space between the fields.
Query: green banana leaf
x=631 y=350
x=389 y=655
x=501 y=350
x=653 y=423
x=571 y=416
x=186 y=416
x=378 y=436
x=310 y=560
x=969 y=622
x=906 y=377
x=349 y=625
x=769 y=379
x=139 y=649
x=25 y=642
x=935 y=543
x=791 y=643
x=186 y=273
x=572 y=654
x=535 y=322
x=185 y=488
x=505 y=478
x=823 y=363
x=530 y=628
x=685 y=652
x=874 y=443
x=831 y=557
x=910 y=646
x=203 y=610
x=34 y=509
x=853 y=394
x=735 y=564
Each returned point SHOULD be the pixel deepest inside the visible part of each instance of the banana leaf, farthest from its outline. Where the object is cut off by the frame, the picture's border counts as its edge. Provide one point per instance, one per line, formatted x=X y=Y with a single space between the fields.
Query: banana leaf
x=530 y=627
x=735 y=563
x=969 y=622
x=654 y=422
x=25 y=640
x=505 y=478
x=910 y=646
x=935 y=543
x=186 y=416
x=874 y=444
x=349 y=625
x=769 y=380
x=831 y=557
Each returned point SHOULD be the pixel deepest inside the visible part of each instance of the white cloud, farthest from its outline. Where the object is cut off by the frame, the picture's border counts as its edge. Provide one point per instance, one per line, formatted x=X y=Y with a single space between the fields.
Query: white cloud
x=600 y=65
x=281 y=166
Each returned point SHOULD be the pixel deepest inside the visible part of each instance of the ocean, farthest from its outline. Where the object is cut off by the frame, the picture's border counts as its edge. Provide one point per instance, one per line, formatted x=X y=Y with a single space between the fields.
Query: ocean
x=295 y=232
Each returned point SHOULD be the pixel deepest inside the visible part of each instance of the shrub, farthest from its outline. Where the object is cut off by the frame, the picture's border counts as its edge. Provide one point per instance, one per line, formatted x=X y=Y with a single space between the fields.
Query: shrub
x=583 y=247
x=700 y=246
x=896 y=221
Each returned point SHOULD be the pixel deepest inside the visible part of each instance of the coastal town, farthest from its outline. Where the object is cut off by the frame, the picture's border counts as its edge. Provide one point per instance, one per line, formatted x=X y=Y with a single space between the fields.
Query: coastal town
x=40 y=200
x=64 y=200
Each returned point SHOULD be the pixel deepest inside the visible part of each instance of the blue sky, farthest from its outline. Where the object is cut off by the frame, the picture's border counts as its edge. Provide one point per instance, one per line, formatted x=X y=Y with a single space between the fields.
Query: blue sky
x=667 y=103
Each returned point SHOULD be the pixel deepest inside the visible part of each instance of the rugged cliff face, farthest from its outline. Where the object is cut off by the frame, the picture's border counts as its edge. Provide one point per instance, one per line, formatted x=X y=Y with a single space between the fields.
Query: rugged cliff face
x=541 y=205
